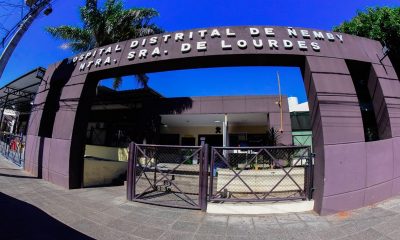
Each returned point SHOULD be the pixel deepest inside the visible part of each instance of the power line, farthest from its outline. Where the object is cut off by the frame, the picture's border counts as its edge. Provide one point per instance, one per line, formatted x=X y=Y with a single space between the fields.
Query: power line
x=39 y=4
x=11 y=9
x=13 y=37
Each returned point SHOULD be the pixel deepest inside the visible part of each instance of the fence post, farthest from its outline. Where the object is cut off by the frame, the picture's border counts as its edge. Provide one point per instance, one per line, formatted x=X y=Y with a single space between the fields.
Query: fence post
x=131 y=174
x=203 y=177
x=212 y=162
x=309 y=174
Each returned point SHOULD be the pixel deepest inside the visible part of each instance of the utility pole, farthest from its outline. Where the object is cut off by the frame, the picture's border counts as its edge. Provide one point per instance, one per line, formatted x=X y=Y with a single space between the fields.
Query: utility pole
x=280 y=103
x=36 y=7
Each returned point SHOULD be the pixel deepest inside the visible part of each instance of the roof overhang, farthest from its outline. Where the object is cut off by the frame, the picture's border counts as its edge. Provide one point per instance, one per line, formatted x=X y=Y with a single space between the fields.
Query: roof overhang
x=21 y=91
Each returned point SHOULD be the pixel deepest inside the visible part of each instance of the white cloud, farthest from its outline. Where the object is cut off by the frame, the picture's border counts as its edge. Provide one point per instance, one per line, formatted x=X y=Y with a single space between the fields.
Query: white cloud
x=64 y=46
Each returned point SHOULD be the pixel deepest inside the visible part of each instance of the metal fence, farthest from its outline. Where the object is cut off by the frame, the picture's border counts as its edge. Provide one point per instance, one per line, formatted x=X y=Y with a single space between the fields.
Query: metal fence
x=188 y=176
x=256 y=174
x=167 y=175
x=12 y=147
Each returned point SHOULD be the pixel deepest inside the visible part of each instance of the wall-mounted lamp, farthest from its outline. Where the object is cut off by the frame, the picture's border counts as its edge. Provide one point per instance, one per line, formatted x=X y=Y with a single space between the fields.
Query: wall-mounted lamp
x=40 y=73
x=385 y=51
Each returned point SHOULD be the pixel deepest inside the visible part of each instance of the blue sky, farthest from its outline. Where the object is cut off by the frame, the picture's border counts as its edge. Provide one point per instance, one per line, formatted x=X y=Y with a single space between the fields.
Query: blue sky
x=37 y=48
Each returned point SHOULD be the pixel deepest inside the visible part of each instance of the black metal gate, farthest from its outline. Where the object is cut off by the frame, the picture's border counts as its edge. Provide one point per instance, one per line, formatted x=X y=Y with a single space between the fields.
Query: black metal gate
x=257 y=174
x=168 y=175
x=183 y=176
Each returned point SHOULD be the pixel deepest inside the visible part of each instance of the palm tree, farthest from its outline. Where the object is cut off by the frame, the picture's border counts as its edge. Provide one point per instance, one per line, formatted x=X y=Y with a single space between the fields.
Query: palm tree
x=105 y=26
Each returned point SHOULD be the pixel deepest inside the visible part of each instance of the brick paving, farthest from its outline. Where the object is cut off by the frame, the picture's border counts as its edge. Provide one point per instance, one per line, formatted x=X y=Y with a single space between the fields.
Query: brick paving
x=34 y=209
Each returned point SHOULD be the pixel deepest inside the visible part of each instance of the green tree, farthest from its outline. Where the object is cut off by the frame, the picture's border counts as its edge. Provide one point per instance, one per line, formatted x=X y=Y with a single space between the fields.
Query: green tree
x=273 y=137
x=105 y=26
x=378 y=23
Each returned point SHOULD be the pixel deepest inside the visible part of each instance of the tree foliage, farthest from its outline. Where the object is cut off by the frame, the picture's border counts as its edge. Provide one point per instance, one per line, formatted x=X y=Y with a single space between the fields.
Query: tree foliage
x=113 y=23
x=378 y=23
x=272 y=137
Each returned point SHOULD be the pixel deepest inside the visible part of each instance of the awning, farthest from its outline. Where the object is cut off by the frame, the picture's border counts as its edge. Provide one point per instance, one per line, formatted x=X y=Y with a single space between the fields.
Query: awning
x=19 y=93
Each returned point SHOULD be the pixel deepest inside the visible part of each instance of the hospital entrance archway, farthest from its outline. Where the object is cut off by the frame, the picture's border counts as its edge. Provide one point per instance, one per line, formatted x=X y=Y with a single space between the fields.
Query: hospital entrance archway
x=347 y=173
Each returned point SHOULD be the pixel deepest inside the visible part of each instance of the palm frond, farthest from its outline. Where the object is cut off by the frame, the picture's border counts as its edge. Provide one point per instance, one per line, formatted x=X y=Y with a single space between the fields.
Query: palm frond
x=142 y=79
x=76 y=36
x=108 y=25
x=117 y=83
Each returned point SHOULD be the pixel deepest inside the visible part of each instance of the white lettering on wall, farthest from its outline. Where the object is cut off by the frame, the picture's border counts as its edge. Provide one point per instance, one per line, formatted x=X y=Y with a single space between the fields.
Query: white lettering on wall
x=215 y=33
x=143 y=53
x=318 y=35
x=287 y=44
x=269 y=32
x=131 y=55
x=153 y=40
x=340 y=37
x=315 y=46
x=292 y=32
x=185 y=47
x=107 y=61
x=273 y=44
x=254 y=32
x=229 y=33
x=201 y=46
x=302 y=45
x=225 y=46
x=242 y=44
x=156 y=52
x=166 y=37
x=178 y=37
x=259 y=37
x=202 y=33
x=305 y=34
x=330 y=37
x=258 y=44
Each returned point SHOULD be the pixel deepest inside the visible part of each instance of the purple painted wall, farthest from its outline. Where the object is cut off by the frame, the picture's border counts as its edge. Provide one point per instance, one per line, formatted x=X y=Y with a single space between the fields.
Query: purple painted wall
x=247 y=104
x=349 y=172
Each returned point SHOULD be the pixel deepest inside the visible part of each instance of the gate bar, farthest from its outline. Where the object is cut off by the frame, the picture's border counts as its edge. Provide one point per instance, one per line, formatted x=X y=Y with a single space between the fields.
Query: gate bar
x=203 y=177
x=131 y=176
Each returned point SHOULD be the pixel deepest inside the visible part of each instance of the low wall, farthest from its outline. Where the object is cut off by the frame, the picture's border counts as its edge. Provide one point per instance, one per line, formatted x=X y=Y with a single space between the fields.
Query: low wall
x=109 y=153
x=100 y=172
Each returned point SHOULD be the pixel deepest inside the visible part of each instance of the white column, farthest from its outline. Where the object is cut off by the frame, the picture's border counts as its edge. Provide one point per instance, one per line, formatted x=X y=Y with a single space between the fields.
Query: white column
x=225 y=140
x=225 y=135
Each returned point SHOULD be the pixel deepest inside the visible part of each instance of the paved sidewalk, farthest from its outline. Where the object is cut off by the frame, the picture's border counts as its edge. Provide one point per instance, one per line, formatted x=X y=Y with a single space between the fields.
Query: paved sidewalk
x=34 y=209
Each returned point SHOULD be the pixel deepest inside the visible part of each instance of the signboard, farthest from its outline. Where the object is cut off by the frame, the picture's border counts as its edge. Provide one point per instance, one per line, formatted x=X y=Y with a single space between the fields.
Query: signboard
x=204 y=41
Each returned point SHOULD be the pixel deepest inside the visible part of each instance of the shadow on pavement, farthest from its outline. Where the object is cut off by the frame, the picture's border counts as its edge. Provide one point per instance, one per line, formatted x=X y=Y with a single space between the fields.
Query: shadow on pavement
x=21 y=220
x=15 y=176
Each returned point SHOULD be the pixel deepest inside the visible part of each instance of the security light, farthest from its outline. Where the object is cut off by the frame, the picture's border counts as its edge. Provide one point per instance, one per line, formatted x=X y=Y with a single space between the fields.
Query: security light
x=48 y=11
x=385 y=50
x=40 y=73
x=30 y=3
